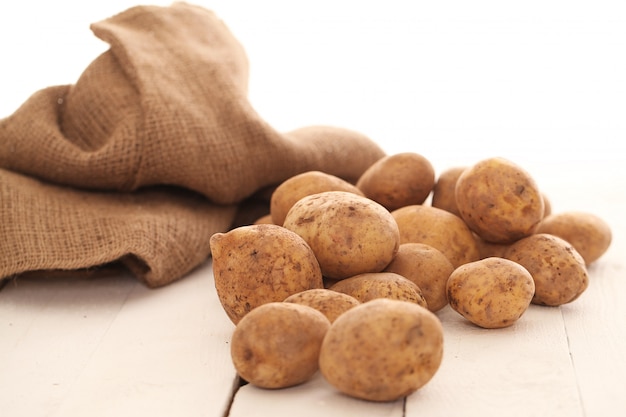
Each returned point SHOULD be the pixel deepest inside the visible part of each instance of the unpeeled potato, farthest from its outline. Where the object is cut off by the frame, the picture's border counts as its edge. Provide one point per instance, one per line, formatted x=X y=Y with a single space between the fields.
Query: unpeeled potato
x=490 y=249
x=499 y=200
x=348 y=233
x=369 y=286
x=301 y=185
x=398 y=180
x=257 y=264
x=547 y=205
x=330 y=303
x=264 y=219
x=427 y=267
x=437 y=228
x=382 y=350
x=277 y=345
x=491 y=292
x=444 y=190
x=588 y=233
x=558 y=270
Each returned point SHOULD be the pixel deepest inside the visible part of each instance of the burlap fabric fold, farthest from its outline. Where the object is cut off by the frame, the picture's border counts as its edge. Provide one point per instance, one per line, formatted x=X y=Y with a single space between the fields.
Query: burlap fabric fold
x=150 y=152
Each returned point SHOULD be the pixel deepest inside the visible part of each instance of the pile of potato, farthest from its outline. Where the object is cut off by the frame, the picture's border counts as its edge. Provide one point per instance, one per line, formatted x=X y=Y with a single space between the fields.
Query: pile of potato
x=346 y=279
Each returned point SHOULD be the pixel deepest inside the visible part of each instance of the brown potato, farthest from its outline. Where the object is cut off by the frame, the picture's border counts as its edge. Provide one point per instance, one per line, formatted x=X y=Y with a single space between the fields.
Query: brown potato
x=490 y=249
x=588 y=233
x=382 y=350
x=499 y=200
x=265 y=219
x=443 y=192
x=257 y=264
x=547 y=205
x=349 y=234
x=369 y=286
x=437 y=228
x=557 y=268
x=398 y=180
x=427 y=267
x=330 y=303
x=277 y=345
x=302 y=185
x=491 y=293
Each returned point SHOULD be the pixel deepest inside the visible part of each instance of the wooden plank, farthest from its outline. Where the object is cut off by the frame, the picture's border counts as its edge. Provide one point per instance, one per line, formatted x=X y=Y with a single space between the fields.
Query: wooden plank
x=596 y=330
x=143 y=352
x=523 y=370
x=166 y=354
x=311 y=399
x=597 y=337
x=594 y=323
x=49 y=329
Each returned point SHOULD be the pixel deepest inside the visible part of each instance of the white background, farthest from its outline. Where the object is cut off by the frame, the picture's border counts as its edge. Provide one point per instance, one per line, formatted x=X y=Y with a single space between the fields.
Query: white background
x=540 y=82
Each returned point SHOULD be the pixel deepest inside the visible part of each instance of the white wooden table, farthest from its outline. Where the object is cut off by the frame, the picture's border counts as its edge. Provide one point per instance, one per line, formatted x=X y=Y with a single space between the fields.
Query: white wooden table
x=107 y=345
x=543 y=85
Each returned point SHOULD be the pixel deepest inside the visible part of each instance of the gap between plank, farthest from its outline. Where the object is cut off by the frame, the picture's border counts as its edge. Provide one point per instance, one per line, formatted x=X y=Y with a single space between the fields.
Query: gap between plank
x=237 y=383
x=571 y=359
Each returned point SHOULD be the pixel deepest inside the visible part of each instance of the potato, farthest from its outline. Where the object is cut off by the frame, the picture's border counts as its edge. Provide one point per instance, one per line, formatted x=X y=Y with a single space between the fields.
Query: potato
x=547 y=205
x=369 y=286
x=444 y=190
x=491 y=293
x=588 y=233
x=437 y=228
x=330 y=303
x=265 y=219
x=557 y=268
x=349 y=234
x=427 y=267
x=257 y=264
x=302 y=185
x=398 y=180
x=382 y=350
x=489 y=249
x=277 y=345
x=499 y=200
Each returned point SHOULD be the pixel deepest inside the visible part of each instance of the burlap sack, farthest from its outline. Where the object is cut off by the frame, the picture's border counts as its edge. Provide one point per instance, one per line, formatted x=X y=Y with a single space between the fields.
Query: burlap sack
x=149 y=152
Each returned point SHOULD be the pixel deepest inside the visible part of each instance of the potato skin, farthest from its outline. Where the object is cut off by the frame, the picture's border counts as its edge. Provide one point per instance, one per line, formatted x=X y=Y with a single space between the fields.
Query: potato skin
x=302 y=185
x=369 y=286
x=444 y=190
x=428 y=268
x=491 y=293
x=277 y=344
x=330 y=303
x=438 y=228
x=499 y=200
x=489 y=249
x=547 y=206
x=588 y=233
x=558 y=270
x=257 y=264
x=398 y=180
x=264 y=219
x=349 y=234
x=382 y=350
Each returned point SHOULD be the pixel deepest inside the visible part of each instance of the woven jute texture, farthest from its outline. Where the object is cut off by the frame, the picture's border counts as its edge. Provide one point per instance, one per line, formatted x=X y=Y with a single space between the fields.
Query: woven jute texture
x=150 y=152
